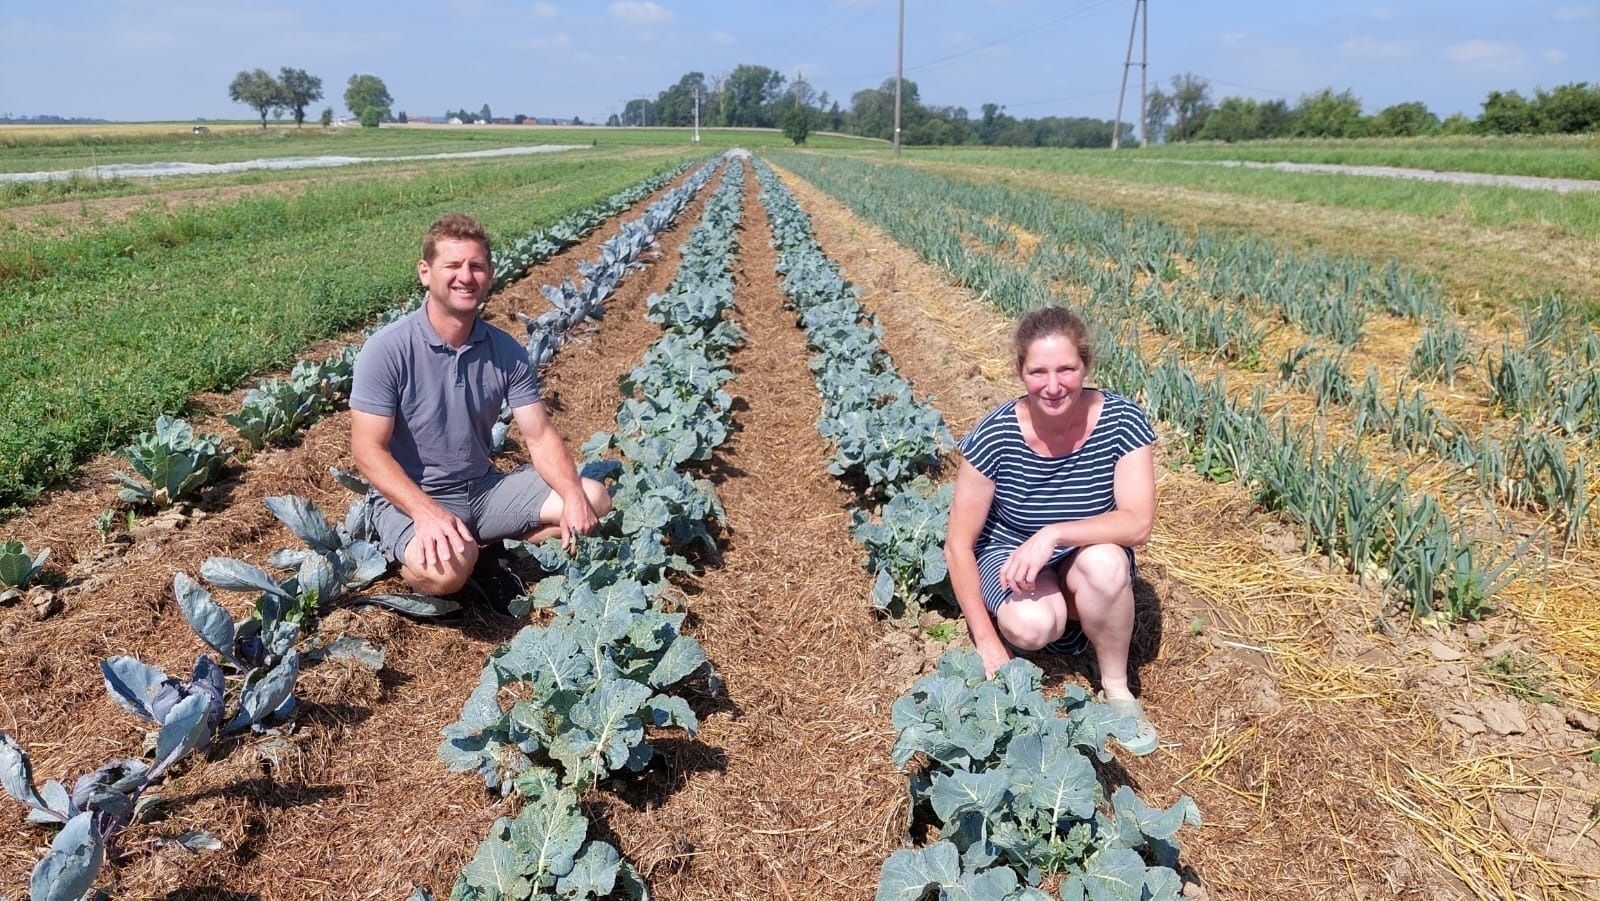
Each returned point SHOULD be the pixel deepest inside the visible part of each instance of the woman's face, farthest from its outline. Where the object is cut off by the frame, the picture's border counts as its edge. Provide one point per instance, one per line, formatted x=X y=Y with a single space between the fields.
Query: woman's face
x=1053 y=373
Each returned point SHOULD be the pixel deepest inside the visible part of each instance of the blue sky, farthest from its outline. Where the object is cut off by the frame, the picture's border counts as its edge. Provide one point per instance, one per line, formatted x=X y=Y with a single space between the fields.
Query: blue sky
x=134 y=59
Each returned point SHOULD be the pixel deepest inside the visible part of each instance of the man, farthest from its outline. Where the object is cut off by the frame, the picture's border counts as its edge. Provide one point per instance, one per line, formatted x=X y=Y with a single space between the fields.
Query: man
x=427 y=390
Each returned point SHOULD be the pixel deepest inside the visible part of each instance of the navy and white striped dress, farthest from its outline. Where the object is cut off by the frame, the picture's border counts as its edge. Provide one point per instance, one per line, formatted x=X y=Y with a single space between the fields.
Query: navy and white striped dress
x=1032 y=491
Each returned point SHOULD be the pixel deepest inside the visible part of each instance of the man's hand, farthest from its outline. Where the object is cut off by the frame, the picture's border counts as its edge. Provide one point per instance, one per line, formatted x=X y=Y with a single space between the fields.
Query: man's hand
x=1022 y=567
x=577 y=518
x=442 y=536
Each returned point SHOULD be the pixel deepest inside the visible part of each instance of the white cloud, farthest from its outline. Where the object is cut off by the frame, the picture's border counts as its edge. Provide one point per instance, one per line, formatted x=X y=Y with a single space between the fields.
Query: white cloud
x=1368 y=47
x=1554 y=57
x=1487 y=54
x=558 y=40
x=545 y=10
x=640 y=12
x=1581 y=12
x=721 y=38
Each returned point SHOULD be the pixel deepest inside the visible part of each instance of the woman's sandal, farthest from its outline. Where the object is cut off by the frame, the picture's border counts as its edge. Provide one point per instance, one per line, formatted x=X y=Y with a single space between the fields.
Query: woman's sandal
x=1145 y=739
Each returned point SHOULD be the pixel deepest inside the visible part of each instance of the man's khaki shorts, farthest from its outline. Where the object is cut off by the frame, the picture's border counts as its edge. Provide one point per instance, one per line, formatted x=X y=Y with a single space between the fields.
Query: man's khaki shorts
x=499 y=505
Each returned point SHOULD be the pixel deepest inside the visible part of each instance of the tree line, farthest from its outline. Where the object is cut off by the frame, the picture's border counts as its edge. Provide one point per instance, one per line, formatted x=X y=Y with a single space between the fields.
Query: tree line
x=761 y=97
x=293 y=90
x=1185 y=112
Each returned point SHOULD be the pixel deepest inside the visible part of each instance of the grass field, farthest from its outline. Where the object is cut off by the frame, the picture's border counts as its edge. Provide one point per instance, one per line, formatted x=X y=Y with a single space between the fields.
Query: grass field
x=111 y=326
x=1480 y=207
x=1546 y=156
x=44 y=148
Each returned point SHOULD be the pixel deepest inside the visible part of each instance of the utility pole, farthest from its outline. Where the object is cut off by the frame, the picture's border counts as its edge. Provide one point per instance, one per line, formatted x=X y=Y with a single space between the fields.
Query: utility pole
x=1140 y=11
x=697 y=114
x=1144 y=66
x=899 y=73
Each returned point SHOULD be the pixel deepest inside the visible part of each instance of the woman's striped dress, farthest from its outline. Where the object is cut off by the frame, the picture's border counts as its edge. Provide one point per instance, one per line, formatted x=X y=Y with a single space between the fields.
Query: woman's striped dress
x=1032 y=491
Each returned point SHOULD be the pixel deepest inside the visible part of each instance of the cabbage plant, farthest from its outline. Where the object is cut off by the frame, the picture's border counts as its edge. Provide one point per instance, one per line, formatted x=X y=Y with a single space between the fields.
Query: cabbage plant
x=18 y=567
x=173 y=461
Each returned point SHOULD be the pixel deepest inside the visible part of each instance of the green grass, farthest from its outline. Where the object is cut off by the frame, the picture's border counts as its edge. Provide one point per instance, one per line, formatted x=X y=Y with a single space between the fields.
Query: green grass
x=1546 y=156
x=79 y=148
x=1576 y=214
x=107 y=329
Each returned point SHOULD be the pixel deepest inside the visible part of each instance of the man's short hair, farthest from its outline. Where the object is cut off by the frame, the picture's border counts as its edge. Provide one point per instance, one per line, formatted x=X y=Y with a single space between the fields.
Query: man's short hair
x=454 y=227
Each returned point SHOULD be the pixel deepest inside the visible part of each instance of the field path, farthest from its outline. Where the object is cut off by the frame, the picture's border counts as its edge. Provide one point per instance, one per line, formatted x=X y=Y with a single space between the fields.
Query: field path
x=789 y=791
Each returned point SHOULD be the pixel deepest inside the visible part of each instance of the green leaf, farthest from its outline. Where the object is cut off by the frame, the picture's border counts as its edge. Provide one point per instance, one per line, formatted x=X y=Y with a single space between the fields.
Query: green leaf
x=909 y=874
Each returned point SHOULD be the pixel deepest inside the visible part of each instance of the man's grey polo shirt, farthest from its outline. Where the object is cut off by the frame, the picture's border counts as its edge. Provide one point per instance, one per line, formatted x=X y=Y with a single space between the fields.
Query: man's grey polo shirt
x=443 y=401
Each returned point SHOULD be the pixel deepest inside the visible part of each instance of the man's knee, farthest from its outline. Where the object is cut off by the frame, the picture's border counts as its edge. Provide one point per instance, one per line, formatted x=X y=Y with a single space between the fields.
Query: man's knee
x=1028 y=625
x=599 y=497
x=444 y=577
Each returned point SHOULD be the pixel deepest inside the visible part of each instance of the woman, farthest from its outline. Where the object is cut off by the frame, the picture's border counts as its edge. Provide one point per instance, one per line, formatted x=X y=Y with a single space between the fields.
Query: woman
x=1055 y=489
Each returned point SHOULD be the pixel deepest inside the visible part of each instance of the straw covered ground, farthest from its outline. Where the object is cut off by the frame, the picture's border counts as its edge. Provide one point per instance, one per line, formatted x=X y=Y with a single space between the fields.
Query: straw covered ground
x=1328 y=759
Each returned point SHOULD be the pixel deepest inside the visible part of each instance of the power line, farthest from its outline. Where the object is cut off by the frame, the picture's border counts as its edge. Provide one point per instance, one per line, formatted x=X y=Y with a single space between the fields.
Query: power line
x=1040 y=28
x=1060 y=99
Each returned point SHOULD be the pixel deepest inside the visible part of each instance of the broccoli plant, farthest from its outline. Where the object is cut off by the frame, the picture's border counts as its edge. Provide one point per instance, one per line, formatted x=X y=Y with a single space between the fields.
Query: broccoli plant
x=174 y=461
x=905 y=546
x=1009 y=781
x=18 y=567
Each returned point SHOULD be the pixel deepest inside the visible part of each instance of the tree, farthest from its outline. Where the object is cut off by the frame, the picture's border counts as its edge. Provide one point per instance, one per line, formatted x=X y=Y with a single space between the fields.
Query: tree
x=1234 y=119
x=300 y=89
x=327 y=116
x=401 y=118
x=675 y=105
x=484 y=114
x=1191 y=103
x=1505 y=114
x=371 y=117
x=1403 y=120
x=1158 y=114
x=367 y=92
x=796 y=124
x=258 y=90
x=1328 y=115
x=1567 y=109
x=749 y=92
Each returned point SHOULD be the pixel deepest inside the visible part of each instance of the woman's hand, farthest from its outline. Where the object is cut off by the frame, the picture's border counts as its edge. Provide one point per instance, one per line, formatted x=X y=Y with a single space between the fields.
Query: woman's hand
x=1022 y=567
x=993 y=657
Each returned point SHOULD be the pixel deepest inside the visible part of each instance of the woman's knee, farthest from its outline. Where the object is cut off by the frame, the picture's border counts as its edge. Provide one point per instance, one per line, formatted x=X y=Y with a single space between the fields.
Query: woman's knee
x=1029 y=625
x=1100 y=569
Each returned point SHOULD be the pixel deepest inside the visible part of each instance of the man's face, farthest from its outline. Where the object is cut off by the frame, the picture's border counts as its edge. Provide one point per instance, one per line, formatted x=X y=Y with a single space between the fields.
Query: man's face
x=459 y=277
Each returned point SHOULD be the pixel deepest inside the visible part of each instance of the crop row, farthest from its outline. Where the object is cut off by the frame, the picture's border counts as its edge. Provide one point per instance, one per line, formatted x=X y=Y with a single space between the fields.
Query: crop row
x=1004 y=772
x=1405 y=541
x=587 y=684
x=251 y=681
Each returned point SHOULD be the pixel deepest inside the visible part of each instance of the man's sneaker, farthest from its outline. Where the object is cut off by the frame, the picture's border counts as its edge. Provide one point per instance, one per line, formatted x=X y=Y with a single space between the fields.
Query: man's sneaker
x=493 y=578
x=1071 y=643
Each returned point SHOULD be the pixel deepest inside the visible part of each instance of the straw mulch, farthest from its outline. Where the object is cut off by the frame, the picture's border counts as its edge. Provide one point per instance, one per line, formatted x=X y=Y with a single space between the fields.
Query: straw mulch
x=354 y=802
x=1313 y=744
x=788 y=791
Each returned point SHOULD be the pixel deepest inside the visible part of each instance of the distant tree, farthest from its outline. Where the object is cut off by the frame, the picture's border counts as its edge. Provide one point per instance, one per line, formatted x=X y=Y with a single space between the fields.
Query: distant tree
x=1403 y=120
x=366 y=92
x=750 y=92
x=401 y=118
x=1505 y=114
x=675 y=105
x=576 y=121
x=1457 y=124
x=1567 y=109
x=1325 y=114
x=612 y=121
x=835 y=117
x=796 y=124
x=518 y=119
x=258 y=90
x=1234 y=119
x=1158 y=114
x=327 y=116
x=484 y=113
x=300 y=89
x=1191 y=103
x=371 y=117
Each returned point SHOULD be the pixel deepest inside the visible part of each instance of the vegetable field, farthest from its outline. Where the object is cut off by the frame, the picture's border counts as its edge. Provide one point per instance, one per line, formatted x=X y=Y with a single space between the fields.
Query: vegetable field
x=1366 y=625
